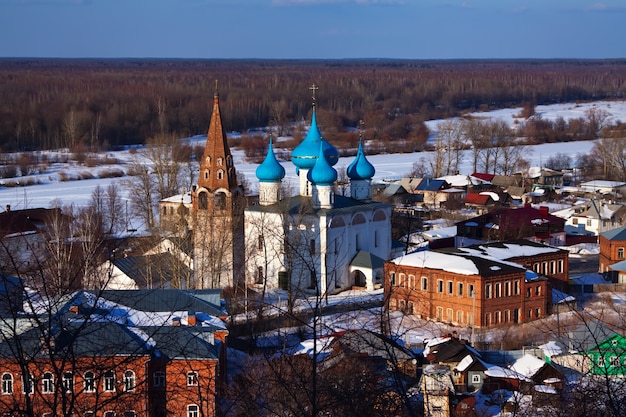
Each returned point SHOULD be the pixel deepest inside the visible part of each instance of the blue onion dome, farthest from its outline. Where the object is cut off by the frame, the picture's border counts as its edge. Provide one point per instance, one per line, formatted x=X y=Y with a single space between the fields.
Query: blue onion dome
x=270 y=170
x=360 y=168
x=305 y=154
x=322 y=172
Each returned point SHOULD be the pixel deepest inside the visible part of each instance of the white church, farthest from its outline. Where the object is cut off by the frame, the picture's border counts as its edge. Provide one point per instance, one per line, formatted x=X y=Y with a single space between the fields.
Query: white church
x=317 y=241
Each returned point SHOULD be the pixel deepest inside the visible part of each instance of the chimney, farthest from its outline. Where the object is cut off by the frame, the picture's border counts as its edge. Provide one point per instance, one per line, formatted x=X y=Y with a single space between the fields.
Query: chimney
x=8 y=207
x=191 y=318
x=544 y=211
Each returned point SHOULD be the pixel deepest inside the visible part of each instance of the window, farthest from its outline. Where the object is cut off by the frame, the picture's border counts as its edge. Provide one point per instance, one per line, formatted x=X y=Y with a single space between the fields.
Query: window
x=192 y=411
x=220 y=201
x=450 y=314
x=516 y=287
x=440 y=286
x=220 y=174
x=544 y=267
x=614 y=361
x=575 y=220
x=450 y=287
x=7 y=384
x=537 y=312
x=192 y=379
x=507 y=316
x=459 y=317
x=507 y=289
x=109 y=414
x=488 y=291
x=589 y=222
x=68 y=382
x=47 y=383
x=130 y=414
x=159 y=379
x=475 y=379
x=312 y=246
x=620 y=253
x=259 y=275
x=109 y=381
x=411 y=282
x=601 y=362
x=552 y=267
x=260 y=242
x=460 y=289
x=538 y=290
x=424 y=284
x=439 y=313
x=90 y=414
x=89 y=382
x=27 y=384
x=129 y=381
x=498 y=292
x=471 y=291
x=560 y=266
x=203 y=201
x=392 y=276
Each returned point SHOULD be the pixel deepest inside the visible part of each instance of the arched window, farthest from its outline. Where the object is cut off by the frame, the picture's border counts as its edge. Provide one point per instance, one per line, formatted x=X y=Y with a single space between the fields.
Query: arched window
x=28 y=384
x=358 y=219
x=47 y=383
x=159 y=379
x=379 y=216
x=203 y=201
x=7 y=383
x=68 y=382
x=192 y=378
x=129 y=381
x=220 y=201
x=220 y=174
x=109 y=381
x=89 y=382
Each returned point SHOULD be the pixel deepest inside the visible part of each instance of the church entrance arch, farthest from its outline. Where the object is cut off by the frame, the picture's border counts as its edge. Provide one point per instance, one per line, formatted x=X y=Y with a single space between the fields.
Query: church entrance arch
x=358 y=278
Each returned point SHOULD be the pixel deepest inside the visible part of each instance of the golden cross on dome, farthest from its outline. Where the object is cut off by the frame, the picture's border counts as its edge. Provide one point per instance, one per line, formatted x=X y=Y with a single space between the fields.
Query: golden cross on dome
x=313 y=89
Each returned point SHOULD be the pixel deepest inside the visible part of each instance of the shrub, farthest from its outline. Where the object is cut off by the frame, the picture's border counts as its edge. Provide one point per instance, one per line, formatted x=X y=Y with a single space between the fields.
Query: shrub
x=85 y=175
x=111 y=173
x=63 y=176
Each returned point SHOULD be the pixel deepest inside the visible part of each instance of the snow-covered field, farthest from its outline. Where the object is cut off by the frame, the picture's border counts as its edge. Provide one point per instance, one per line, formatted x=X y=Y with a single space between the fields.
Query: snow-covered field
x=390 y=166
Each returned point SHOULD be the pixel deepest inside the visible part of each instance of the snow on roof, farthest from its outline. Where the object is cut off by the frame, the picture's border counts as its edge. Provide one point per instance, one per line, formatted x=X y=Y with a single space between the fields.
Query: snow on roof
x=528 y=365
x=465 y=363
x=430 y=343
x=439 y=233
x=551 y=349
x=546 y=389
x=494 y=196
x=507 y=250
x=438 y=260
x=178 y=198
x=495 y=371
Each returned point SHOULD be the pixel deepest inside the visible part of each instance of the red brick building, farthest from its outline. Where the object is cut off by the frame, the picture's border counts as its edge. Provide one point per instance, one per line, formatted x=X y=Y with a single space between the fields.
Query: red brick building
x=159 y=354
x=612 y=247
x=551 y=262
x=464 y=289
x=506 y=223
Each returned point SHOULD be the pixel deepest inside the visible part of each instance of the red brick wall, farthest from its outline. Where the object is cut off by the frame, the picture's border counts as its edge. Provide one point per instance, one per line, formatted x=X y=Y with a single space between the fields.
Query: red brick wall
x=498 y=305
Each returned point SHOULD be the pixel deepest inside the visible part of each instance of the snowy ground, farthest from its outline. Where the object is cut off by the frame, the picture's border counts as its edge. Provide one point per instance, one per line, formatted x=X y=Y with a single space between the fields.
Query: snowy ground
x=394 y=166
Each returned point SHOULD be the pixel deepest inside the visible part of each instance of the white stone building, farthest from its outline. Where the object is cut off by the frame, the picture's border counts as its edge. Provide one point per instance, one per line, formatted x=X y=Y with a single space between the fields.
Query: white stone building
x=316 y=241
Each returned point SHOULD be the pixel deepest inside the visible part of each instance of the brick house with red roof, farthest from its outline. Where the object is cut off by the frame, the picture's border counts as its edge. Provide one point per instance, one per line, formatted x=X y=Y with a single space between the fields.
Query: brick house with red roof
x=512 y=223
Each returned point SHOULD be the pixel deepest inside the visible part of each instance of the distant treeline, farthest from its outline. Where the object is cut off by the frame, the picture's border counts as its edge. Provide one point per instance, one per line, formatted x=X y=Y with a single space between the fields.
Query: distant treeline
x=101 y=104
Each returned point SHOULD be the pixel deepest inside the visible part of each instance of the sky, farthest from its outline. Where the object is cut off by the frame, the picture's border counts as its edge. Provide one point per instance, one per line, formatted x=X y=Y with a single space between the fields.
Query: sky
x=313 y=29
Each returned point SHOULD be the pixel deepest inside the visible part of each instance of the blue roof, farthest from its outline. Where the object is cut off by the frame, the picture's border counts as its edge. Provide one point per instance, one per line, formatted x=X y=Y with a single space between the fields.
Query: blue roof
x=615 y=234
x=270 y=170
x=322 y=173
x=430 y=184
x=306 y=153
x=361 y=168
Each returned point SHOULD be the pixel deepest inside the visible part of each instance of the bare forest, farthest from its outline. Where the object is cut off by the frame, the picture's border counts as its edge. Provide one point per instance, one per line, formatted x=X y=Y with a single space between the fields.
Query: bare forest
x=102 y=104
